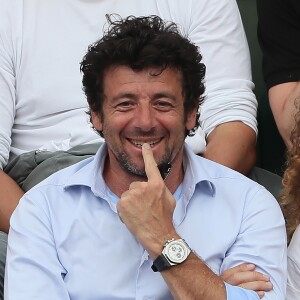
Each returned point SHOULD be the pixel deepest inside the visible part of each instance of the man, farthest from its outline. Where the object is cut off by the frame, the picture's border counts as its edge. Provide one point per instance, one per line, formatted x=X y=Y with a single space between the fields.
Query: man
x=41 y=101
x=101 y=229
x=278 y=32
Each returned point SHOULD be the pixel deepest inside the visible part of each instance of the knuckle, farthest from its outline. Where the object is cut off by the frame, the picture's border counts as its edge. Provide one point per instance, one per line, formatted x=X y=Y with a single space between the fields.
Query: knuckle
x=135 y=185
x=225 y=275
x=123 y=197
x=120 y=203
x=158 y=185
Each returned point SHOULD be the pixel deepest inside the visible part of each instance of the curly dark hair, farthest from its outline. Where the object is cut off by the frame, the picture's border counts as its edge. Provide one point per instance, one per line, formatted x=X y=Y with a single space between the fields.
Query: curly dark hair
x=290 y=198
x=140 y=43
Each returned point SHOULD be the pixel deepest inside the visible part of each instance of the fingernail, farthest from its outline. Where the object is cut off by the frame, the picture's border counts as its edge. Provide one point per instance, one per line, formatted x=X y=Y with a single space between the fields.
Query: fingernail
x=146 y=146
x=269 y=284
x=260 y=294
x=250 y=266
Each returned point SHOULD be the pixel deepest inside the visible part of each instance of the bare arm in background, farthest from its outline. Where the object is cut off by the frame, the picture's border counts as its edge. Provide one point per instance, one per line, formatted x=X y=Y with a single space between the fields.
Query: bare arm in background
x=232 y=144
x=10 y=194
x=228 y=114
x=284 y=101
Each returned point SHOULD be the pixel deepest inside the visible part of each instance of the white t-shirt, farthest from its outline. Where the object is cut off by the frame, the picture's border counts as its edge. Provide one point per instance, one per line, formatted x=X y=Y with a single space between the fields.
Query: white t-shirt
x=293 y=285
x=42 y=43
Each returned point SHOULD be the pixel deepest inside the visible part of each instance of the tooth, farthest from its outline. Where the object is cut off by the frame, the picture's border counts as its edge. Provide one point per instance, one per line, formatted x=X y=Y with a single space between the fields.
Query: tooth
x=140 y=144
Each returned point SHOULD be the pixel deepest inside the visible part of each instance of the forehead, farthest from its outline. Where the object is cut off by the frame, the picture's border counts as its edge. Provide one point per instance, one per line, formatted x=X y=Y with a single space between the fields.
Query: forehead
x=118 y=78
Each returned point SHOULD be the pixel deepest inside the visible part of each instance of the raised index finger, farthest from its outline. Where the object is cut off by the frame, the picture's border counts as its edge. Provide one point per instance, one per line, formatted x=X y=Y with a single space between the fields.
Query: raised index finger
x=151 y=169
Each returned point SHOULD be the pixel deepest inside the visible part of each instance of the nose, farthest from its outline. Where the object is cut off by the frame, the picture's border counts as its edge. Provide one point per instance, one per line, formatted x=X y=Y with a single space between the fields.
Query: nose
x=145 y=117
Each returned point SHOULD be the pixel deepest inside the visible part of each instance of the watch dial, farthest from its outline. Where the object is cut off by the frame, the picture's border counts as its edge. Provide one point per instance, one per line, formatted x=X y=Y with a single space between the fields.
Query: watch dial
x=176 y=252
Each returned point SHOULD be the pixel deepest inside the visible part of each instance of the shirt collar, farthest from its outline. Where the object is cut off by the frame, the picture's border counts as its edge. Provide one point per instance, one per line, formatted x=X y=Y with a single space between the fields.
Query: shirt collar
x=90 y=174
x=197 y=172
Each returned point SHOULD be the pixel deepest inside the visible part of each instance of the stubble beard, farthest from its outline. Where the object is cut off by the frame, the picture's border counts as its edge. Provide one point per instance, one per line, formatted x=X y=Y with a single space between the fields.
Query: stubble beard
x=127 y=164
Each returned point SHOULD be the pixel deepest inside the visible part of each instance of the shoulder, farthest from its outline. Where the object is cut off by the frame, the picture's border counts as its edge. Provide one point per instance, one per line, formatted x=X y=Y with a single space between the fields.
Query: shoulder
x=66 y=176
x=217 y=172
x=233 y=187
x=52 y=197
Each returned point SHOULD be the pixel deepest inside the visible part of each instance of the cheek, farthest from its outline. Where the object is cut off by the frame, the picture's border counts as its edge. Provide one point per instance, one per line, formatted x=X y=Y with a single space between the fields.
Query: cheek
x=114 y=125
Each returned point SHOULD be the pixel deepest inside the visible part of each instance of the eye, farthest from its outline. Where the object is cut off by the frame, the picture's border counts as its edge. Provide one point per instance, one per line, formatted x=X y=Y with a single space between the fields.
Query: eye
x=125 y=105
x=163 y=105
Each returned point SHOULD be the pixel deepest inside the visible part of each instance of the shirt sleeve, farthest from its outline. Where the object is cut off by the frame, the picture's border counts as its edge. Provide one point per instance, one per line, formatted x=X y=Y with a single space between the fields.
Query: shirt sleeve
x=28 y=268
x=7 y=81
x=216 y=28
x=260 y=242
x=278 y=34
x=235 y=292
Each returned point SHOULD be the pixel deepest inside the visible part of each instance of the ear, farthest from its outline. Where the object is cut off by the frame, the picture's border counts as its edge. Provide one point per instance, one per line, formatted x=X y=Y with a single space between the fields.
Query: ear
x=191 y=119
x=96 y=120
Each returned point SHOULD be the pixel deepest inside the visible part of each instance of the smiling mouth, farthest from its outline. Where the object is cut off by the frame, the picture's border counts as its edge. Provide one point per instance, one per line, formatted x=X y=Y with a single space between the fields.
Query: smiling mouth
x=140 y=143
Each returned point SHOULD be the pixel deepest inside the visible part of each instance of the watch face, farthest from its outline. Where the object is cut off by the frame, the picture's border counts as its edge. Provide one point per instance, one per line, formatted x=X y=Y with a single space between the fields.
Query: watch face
x=177 y=251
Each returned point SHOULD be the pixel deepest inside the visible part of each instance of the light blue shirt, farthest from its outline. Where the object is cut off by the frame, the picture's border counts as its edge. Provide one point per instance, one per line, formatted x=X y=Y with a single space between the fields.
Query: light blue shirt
x=66 y=240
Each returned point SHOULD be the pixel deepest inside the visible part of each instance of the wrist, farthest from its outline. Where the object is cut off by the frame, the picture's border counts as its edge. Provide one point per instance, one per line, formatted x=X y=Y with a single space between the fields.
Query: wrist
x=155 y=245
x=175 y=252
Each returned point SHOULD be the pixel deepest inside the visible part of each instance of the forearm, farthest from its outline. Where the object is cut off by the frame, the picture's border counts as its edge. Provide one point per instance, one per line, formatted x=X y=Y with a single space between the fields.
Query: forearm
x=191 y=279
x=10 y=194
x=194 y=280
x=284 y=101
x=232 y=144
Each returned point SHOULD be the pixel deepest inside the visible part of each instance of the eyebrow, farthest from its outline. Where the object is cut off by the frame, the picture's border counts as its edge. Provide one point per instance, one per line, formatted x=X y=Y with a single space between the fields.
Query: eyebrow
x=135 y=97
x=164 y=95
x=124 y=95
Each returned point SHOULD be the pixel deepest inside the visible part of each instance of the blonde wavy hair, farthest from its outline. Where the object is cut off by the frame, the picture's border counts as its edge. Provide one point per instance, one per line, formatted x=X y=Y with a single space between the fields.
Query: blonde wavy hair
x=290 y=197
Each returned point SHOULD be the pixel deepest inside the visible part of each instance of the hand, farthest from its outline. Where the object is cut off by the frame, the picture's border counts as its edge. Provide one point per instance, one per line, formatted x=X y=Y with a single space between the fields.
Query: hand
x=147 y=208
x=245 y=276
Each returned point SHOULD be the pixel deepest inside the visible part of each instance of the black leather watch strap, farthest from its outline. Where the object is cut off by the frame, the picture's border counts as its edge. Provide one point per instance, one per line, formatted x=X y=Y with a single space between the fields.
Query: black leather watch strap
x=160 y=264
